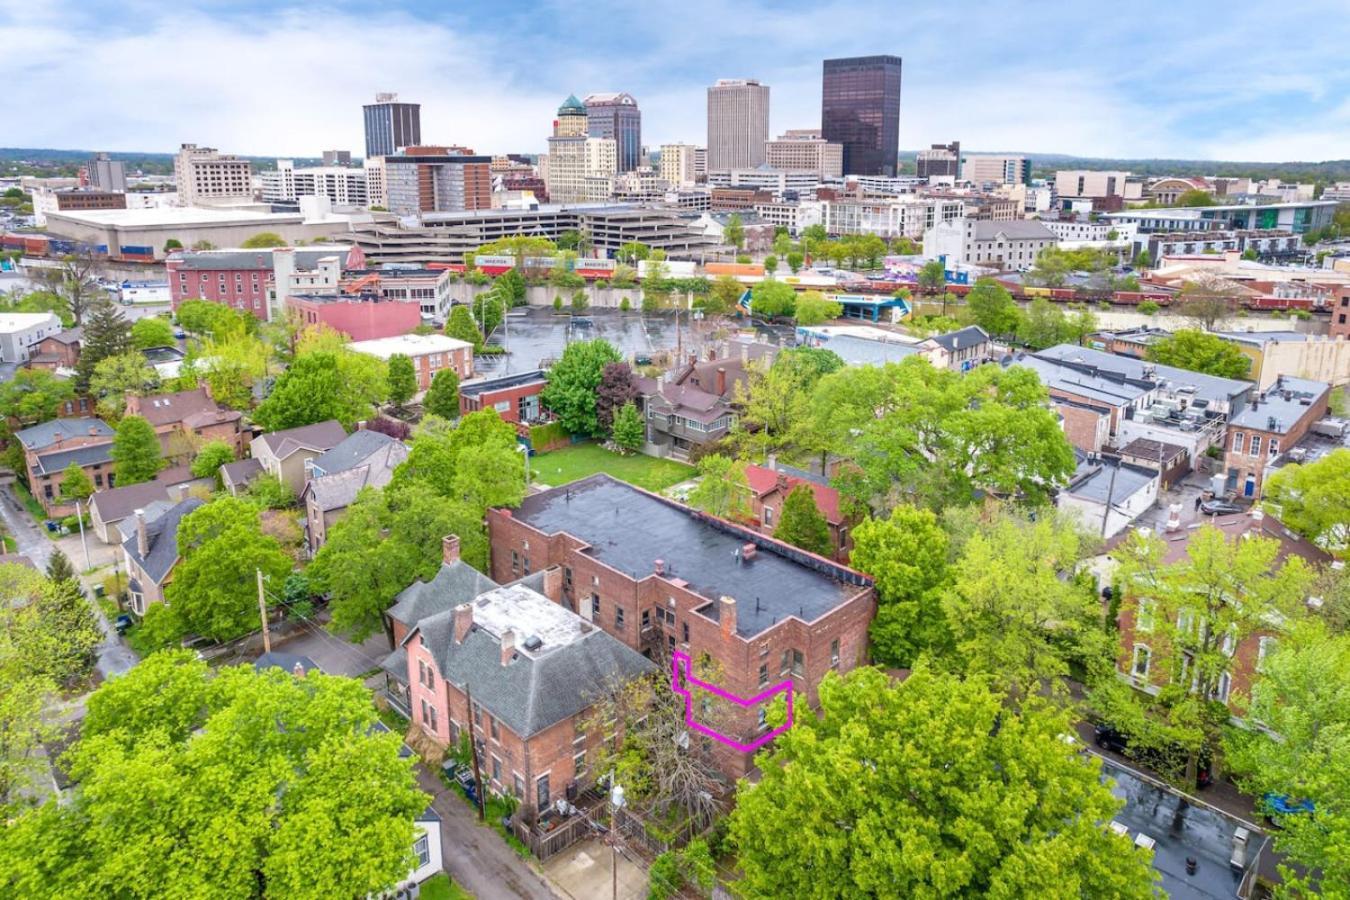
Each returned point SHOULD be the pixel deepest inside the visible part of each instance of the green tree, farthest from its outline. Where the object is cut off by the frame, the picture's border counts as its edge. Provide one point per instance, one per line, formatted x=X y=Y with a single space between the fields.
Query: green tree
x=321 y=385
x=1185 y=613
x=813 y=236
x=1314 y=498
x=402 y=380
x=117 y=377
x=794 y=261
x=172 y=244
x=106 y=333
x=1201 y=352
x=442 y=398
x=993 y=308
x=802 y=525
x=73 y=279
x=1195 y=197
x=209 y=459
x=1302 y=700
x=629 y=430
x=633 y=252
x=1044 y=325
x=932 y=277
x=734 y=232
x=723 y=296
x=214 y=589
x=782 y=241
x=263 y=240
x=572 y=384
x=813 y=308
x=1142 y=260
x=906 y=555
x=319 y=802
x=75 y=484
x=461 y=326
x=136 y=452
x=34 y=395
x=771 y=298
x=771 y=264
x=151 y=331
x=69 y=626
x=723 y=489
x=886 y=793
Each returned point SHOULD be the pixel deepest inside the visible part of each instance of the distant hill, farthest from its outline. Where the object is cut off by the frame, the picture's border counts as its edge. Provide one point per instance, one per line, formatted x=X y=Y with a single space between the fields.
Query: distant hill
x=49 y=161
x=1044 y=164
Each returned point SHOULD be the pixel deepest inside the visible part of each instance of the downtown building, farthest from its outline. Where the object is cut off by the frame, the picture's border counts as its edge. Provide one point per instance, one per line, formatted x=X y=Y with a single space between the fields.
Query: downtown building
x=616 y=116
x=682 y=164
x=579 y=168
x=738 y=124
x=860 y=109
x=343 y=185
x=436 y=179
x=204 y=176
x=391 y=125
x=939 y=161
x=996 y=170
x=804 y=150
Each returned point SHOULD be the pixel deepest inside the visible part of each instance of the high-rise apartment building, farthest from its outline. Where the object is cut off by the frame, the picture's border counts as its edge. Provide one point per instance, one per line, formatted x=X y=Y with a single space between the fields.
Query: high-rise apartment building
x=679 y=164
x=104 y=174
x=996 y=170
x=342 y=185
x=804 y=150
x=738 y=124
x=580 y=169
x=376 y=195
x=860 y=108
x=939 y=161
x=436 y=179
x=204 y=175
x=391 y=125
x=617 y=117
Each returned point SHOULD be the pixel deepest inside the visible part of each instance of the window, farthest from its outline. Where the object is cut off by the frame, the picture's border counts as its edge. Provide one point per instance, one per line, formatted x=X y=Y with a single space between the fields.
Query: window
x=595 y=606
x=761 y=719
x=646 y=619
x=422 y=850
x=685 y=626
x=1139 y=668
x=1222 y=688
x=618 y=617
x=785 y=662
x=798 y=663
x=515 y=563
x=834 y=653
x=1186 y=622
x=496 y=770
x=567 y=581
x=517 y=785
x=525 y=563
x=1256 y=445
x=492 y=728
x=1238 y=438
x=541 y=792
x=1264 y=647
x=578 y=764
x=768 y=515
x=1273 y=449
x=763 y=675
x=433 y=718
x=478 y=715
x=1143 y=617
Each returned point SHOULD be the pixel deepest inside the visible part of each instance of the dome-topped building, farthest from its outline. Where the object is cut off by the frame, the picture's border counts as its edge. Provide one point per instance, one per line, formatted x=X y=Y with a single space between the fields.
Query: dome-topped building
x=571 y=121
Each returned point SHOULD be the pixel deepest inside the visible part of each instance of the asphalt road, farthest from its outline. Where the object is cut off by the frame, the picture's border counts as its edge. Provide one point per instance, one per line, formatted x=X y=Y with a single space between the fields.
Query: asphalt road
x=114 y=656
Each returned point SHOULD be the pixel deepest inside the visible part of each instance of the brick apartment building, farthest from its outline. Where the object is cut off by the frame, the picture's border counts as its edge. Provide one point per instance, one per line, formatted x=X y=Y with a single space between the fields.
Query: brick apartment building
x=1143 y=657
x=363 y=317
x=58 y=351
x=51 y=447
x=243 y=279
x=429 y=354
x=185 y=420
x=660 y=577
x=514 y=397
x=1268 y=426
x=532 y=668
x=1340 y=315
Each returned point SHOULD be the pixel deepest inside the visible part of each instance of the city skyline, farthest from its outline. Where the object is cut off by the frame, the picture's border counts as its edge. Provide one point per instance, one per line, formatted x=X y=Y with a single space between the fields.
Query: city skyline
x=1208 y=84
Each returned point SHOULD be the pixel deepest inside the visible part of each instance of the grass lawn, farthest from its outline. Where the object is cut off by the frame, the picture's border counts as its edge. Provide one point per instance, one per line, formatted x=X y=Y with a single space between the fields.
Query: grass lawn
x=561 y=466
x=440 y=887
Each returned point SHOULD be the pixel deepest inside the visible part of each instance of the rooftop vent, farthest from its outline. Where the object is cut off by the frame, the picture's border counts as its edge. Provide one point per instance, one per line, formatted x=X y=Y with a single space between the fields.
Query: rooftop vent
x=533 y=642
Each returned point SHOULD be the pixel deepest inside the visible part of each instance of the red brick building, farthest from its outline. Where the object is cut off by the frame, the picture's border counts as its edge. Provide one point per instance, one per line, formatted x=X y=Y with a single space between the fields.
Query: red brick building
x=187 y=419
x=1340 y=314
x=58 y=351
x=1268 y=426
x=659 y=577
x=514 y=397
x=242 y=279
x=1143 y=653
x=429 y=354
x=364 y=317
x=51 y=447
x=769 y=489
x=531 y=667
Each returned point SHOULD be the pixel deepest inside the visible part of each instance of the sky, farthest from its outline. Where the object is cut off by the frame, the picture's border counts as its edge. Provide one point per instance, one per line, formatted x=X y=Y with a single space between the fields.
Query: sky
x=1183 y=79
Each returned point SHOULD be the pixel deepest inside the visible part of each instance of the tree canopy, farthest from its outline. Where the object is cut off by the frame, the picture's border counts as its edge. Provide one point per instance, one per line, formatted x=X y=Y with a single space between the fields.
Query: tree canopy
x=992 y=307
x=629 y=430
x=136 y=451
x=323 y=385
x=247 y=784
x=35 y=395
x=106 y=333
x=771 y=298
x=906 y=555
x=1314 y=498
x=813 y=308
x=929 y=788
x=402 y=380
x=151 y=331
x=442 y=398
x=263 y=240
x=802 y=525
x=1201 y=352
x=573 y=382
x=117 y=377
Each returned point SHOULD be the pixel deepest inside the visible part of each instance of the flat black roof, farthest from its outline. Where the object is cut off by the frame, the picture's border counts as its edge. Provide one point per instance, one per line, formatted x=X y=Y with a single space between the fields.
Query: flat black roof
x=482 y=386
x=629 y=529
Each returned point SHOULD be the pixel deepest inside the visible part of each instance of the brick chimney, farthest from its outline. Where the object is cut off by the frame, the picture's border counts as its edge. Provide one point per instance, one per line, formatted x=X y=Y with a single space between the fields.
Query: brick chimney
x=298 y=670
x=450 y=549
x=553 y=581
x=142 y=539
x=463 y=621
x=659 y=567
x=508 y=645
x=721 y=380
x=726 y=615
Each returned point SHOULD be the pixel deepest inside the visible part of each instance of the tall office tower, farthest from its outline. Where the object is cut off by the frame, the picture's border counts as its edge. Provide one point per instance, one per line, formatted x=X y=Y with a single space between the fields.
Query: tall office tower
x=939 y=161
x=617 y=117
x=203 y=175
x=391 y=125
x=994 y=170
x=572 y=121
x=738 y=124
x=860 y=108
x=106 y=174
x=337 y=157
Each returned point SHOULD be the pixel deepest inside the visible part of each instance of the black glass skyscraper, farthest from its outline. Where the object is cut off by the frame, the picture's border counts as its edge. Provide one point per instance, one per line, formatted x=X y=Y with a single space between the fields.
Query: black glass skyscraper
x=860 y=108
x=390 y=125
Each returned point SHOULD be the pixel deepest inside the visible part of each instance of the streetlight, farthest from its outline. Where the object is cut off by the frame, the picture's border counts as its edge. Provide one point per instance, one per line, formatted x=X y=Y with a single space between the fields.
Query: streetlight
x=616 y=802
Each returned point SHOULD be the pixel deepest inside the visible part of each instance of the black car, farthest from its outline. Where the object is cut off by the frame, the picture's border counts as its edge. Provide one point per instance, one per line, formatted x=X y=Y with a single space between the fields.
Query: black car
x=1220 y=508
x=1160 y=760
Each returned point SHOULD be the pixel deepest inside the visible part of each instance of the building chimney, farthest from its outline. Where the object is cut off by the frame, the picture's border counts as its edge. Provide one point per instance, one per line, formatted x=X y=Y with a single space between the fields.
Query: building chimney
x=93 y=431
x=659 y=567
x=771 y=462
x=298 y=670
x=693 y=358
x=721 y=380
x=450 y=549
x=726 y=615
x=508 y=645
x=463 y=621
x=142 y=539
x=553 y=581
x=749 y=551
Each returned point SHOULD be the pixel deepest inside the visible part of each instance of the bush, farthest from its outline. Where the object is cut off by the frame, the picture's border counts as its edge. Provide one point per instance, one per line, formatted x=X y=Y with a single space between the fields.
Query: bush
x=395 y=428
x=625 y=305
x=1149 y=308
x=743 y=259
x=557 y=304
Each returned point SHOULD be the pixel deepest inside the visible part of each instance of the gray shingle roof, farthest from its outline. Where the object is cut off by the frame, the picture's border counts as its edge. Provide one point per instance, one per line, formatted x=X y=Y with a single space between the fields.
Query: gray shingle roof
x=453 y=584
x=970 y=336
x=1017 y=229
x=47 y=433
x=162 y=537
x=321 y=436
x=88 y=455
x=240 y=472
x=363 y=459
x=353 y=450
x=260 y=260
x=118 y=503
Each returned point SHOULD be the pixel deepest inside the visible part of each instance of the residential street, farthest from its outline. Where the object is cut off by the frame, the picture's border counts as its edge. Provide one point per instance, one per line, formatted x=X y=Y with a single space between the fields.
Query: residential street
x=114 y=656
x=475 y=855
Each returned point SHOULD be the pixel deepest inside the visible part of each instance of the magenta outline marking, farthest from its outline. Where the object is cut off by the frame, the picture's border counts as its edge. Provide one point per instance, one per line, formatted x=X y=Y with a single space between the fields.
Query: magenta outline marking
x=681 y=661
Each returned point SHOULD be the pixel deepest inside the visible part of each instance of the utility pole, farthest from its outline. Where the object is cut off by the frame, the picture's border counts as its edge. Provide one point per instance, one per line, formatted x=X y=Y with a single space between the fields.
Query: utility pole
x=473 y=750
x=262 y=612
x=79 y=516
x=1110 y=493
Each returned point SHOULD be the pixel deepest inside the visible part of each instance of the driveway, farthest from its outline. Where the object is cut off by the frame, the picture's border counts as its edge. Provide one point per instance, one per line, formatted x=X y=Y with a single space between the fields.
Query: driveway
x=114 y=656
x=475 y=855
x=333 y=654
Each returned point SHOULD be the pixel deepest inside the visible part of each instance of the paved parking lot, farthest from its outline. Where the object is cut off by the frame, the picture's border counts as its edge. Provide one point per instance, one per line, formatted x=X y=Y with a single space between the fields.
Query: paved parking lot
x=531 y=335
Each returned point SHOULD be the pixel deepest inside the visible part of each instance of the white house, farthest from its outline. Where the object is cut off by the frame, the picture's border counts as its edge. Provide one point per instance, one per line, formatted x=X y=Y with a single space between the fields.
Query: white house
x=20 y=331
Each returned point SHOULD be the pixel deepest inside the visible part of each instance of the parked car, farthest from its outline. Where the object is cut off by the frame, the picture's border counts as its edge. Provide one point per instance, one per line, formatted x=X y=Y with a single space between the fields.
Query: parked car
x=1220 y=508
x=1117 y=741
